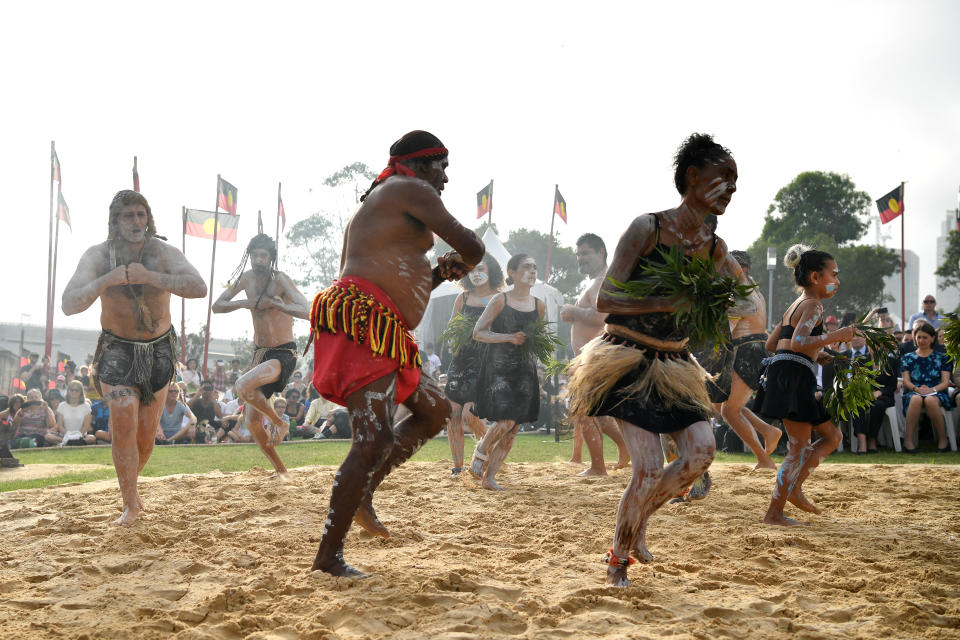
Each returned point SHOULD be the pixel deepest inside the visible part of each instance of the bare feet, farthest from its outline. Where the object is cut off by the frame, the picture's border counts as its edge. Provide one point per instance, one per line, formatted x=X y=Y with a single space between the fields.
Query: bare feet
x=771 y=439
x=617 y=577
x=622 y=464
x=766 y=464
x=782 y=521
x=800 y=501
x=366 y=517
x=642 y=554
x=593 y=471
x=282 y=476
x=575 y=460
x=128 y=518
x=491 y=484
x=337 y=567
x=478 y=462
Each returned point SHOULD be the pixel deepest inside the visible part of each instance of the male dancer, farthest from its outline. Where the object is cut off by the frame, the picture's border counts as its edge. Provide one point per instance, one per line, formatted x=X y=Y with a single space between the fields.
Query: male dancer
x=364 y=355
x=586 y=324
x=274 y=301
x=133 y=274
x=749 y=339
x=639 y=370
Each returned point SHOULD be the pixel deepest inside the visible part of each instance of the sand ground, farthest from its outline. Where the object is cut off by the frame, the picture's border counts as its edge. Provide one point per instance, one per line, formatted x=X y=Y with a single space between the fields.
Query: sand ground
x=227 y=556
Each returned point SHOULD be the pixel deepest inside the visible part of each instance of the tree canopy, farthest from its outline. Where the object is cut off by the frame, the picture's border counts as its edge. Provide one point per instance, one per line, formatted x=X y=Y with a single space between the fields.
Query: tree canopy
x=818 y=202
x=825 y=211
x=564 y=272
x=949 y=270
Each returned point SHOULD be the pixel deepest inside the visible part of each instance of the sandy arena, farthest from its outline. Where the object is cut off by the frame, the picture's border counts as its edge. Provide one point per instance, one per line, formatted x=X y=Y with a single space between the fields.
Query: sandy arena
x=227 y=556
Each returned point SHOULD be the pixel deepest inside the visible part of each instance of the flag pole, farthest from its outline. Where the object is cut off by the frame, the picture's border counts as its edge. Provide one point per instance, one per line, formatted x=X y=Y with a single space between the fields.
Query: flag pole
x=136 y=176
x=277 y=235
x=53 y=278
x=48 y=338
x=490 y=211
x=183 y=301
x=553 y=215
x=213 y=259
x=903 y=267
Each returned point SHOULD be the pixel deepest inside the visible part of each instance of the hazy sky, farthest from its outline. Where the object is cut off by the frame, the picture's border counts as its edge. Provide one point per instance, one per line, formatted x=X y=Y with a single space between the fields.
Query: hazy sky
x=593 y=96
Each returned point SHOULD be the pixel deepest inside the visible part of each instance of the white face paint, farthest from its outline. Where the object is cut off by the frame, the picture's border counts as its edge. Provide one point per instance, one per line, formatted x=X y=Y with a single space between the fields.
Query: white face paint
x=478 y=278
x=530 y=277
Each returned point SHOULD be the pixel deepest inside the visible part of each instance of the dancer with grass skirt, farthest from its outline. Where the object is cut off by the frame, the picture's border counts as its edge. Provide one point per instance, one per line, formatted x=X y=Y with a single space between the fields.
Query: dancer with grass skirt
x=669 y=283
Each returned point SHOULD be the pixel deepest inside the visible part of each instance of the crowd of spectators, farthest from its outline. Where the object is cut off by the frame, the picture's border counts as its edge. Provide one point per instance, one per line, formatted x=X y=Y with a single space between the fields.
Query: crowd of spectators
x=63 y=408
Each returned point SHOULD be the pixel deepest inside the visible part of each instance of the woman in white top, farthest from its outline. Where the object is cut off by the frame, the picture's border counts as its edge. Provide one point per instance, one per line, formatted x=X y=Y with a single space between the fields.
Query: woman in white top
x=74 y=418
x=191 y=376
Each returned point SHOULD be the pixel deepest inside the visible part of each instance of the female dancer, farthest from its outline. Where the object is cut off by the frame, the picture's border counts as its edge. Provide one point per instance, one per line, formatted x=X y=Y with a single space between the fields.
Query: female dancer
x=461 y=389
x=508 y=390
x=791 y=378
x=926 y=378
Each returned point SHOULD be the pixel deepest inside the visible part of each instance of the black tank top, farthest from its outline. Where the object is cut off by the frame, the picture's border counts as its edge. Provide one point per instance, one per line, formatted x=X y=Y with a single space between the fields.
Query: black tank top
x=786 y=331
x=658 y=325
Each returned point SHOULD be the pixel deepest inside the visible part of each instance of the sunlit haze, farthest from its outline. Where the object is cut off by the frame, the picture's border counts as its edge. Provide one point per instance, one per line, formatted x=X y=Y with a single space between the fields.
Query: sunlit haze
x=595 y=97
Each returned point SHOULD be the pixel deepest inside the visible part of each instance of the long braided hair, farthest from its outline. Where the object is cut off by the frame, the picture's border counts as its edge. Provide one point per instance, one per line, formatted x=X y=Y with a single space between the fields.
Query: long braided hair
x=259 y=241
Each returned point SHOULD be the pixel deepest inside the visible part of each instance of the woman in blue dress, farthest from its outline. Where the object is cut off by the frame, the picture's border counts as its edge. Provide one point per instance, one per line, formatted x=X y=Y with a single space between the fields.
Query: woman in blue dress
x=926 y=378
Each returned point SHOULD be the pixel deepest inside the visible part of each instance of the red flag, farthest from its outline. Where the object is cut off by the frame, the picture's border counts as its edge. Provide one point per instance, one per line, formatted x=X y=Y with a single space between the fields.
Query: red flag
x=281 y=212
x=24 y=361
x=891 y=205
x=200 y=224
x=136 y=176
x=56 y=167
x=560 y=206
x=226 y=196
x=63 y=211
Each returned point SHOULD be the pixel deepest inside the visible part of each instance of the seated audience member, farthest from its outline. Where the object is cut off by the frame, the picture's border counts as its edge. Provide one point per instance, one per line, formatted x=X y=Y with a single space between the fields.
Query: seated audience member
x=100 y=420
x=13 y=405
x=928 y=314
x=906 y=344
x=205 y=406
x=61 y=385
x=35 y=422
x=336 y=426
x=431 y=362
x=231 y=422
x=297 y=383
x=73 y=417
x=178 y=424
x=294 y=409
x=231 y=401
x=926 y=378
x=54 y=398
x=317 y=409
x=866 y=425
x=190 y=376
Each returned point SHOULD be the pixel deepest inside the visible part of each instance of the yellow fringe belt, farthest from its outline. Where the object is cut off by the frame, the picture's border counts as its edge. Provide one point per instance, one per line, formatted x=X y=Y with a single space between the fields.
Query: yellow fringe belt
x=364 y=319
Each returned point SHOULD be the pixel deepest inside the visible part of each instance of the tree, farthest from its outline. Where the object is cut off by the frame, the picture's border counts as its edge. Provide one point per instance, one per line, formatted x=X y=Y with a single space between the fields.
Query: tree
x=949 y=270
x=314 y=250
x=316 y=242
x=195 y=342
x=817 y=202
x=564 y=271
x=823 y=210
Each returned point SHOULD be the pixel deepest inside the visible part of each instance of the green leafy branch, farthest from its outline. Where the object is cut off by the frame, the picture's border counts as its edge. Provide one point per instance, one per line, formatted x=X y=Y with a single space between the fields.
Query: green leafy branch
x=542 y=342
x=459 y=332
x=693 y=279
x=951 y=336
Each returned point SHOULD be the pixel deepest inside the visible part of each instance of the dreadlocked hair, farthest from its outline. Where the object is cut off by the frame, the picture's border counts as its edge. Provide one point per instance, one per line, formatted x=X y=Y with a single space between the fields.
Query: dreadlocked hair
x=122 y=199
x=259 y=241
x=409 y=143
x=698 y=150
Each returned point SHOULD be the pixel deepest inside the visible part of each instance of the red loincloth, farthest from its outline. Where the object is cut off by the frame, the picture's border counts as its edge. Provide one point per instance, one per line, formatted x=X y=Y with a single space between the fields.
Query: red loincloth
x=359 y=336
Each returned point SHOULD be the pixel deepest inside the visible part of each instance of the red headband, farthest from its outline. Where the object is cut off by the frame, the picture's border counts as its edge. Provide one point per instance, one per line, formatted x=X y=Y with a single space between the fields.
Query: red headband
x=395 y=164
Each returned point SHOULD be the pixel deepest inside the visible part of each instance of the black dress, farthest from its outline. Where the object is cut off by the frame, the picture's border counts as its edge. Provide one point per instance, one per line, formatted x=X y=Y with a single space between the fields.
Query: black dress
x=508 y=387
x=464 y=371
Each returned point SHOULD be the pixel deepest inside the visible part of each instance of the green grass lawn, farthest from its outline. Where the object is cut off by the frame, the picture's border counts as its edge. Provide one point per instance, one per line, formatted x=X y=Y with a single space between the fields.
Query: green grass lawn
x=169 y=460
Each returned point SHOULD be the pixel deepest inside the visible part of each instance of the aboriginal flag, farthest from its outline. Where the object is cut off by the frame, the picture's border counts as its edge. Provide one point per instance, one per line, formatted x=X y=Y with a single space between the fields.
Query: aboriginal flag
x=56 y=167
x=560 y=206
x=485 y=200
x=891 y=205
x=63 y=211
x=200 y=224
x=226 y=196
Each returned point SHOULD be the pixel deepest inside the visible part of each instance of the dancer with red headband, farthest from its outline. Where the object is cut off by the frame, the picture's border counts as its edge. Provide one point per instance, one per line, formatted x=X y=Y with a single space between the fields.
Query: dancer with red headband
x=365 y=357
